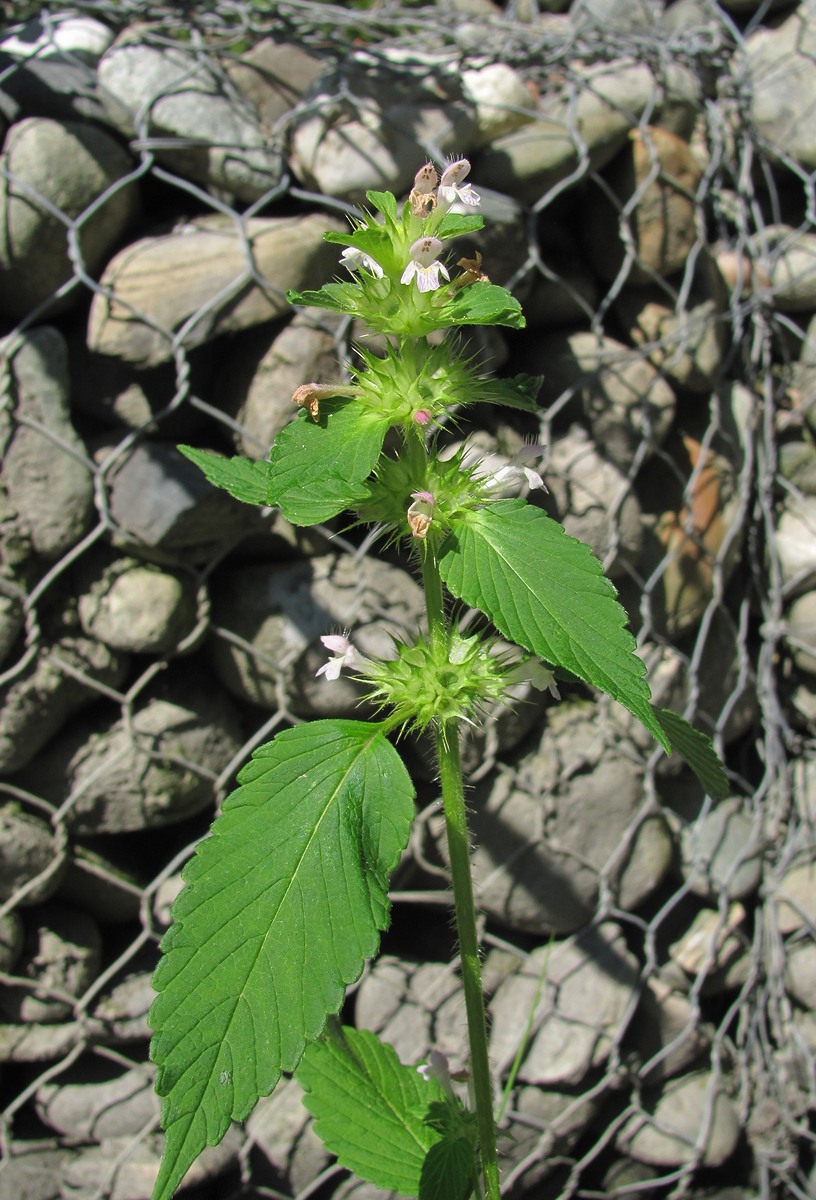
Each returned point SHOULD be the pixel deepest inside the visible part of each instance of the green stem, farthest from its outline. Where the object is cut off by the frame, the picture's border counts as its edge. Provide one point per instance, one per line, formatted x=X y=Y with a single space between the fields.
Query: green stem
x=453 y=798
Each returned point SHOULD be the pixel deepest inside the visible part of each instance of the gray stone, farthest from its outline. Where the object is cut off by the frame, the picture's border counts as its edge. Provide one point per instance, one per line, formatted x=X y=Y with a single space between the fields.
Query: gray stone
x=61 y=958
x=196 y=279
x=165 y=508
x=781 y=76
x=501 y=100
x=617 y=16
x=275 y=615
x=800 y=972
x=273 y=76
x=794 y=898
x=93 y=1101
x=32 y=857
x=414 y=1007
x=580 y=994
x=55 y=682
x=154 y=769
x=540 y=1126
x=658 y=172
x=594 y=501
x=264 y=367
x=686 y=342
x=795 y=543
x=111 y=895
x=622 y=395
x=57 y=87
x=692 y=1117
x=368 y=125
x=787 y=258
x=668 y=1033
x=282 y=1130
x=11 y=932
x=203 y=127
x=82 y=38
x=70 y=165
x=547 y=834
x=32 y=1171
x=126 y=1168
x=797 y=464
x=721 y=853
x=583 y=125
x=46 y=471
x=135 y=607
x=122 y=1010
x=710 y=946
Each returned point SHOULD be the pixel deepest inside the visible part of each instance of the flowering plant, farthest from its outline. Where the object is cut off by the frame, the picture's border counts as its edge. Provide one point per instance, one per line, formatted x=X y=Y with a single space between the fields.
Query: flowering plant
x=287 y=898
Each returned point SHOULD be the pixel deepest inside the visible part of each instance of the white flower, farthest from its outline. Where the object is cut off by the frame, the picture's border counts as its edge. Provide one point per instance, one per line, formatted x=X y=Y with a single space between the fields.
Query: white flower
x=354 y=259
x=420 y=513
x=450 y=185
x=537 y=675
x=343 y=655
x=515 y=472
x=424 y=266
x=423 y=192
x=437 y=1068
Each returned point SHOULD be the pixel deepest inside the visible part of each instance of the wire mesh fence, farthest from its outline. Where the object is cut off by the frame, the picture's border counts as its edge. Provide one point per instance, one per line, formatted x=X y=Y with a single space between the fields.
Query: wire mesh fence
x=168 y=172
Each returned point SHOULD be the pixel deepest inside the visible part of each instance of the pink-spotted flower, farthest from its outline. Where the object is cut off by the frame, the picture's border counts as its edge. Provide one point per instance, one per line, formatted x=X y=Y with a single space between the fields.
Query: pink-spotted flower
x=343 y=654
x=450 y=188
x=424 y=266
x=516 y=472
x=420 y=513
x=356 y=259
x=423 y=193
x=532 y=671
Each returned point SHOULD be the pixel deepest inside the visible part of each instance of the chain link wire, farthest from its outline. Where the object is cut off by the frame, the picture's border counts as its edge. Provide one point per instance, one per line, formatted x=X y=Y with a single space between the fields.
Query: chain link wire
x=754 y=1039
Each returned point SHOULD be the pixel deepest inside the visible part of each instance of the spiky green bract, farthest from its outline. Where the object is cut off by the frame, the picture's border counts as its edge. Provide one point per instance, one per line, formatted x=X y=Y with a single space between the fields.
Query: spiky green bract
x=547 y=592
x=283 y=904
x=447 y=680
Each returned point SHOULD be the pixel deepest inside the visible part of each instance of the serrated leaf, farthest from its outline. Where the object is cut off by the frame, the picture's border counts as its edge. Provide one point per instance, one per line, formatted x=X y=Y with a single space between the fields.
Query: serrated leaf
x=283 y=904
x=317 y=467
x=482 y=304
x=339 y=297
x=548 y=593
x=455 y=224
x=244 y=478
x=369 y=1108
x=520 y=392
x=385 y=203
x=697 y=750
x=447 y=1173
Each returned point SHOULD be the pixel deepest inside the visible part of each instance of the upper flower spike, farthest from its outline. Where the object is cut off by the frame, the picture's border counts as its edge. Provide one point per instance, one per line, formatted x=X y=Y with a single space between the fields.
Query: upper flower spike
x=423 y=193
x=424 y=266
x=450 y=185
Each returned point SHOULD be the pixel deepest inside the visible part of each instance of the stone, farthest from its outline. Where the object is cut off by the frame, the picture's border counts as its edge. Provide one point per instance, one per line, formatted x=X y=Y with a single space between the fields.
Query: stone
x=794 y=899
x=126 y=1168
x=545 y=834
x=264 y=367
x=111 y=895
x=196 y=279
x=32 y=1171
x=578 y=997
x=800 y=972
x=800 y=632
x=136 y=607
x=282 y=1130
x=721 y=853
x=594 y=501
x=93 y=1100
x=32 y=857
x=616 y=16
x=11 y=933
x=122 y=1010
x=787 y=257
x=501 y=100
x=273 y=76
x=367 y=125
x=61 y=958
x=781 y=78
x=205 y=130
x=797 y=464
x=46 y=470
x=711 y=942
x=795 y=544
x=57 y=681
x=669 y=1036
x=413 y=1007
x=686 y=341
x=623 y=396
x=164 y=507
x=657 y=171
x=71 y=165
x=82 y=38
x=275 y=614
x=539 y=1127
x=153 y=769
x=691 y=1117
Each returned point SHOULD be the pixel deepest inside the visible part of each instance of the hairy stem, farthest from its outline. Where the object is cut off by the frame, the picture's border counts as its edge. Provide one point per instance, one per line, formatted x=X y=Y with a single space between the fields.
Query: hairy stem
x=453 y=798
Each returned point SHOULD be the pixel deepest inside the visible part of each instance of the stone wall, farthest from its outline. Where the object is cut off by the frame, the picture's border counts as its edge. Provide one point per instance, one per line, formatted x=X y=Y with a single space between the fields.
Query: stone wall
x=646 y=174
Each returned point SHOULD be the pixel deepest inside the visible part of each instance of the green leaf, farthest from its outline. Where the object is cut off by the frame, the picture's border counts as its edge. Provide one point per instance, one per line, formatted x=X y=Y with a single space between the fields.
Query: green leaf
x=243 y=478
x=385 y=203
x=520 y=392
x=482 y=304
x=317 y=468
x=369 y=1108
x=282 y=906
x=696 y=749
x=447 y=1173
x=339 y=297
x=548 y=593
x=455 y=224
